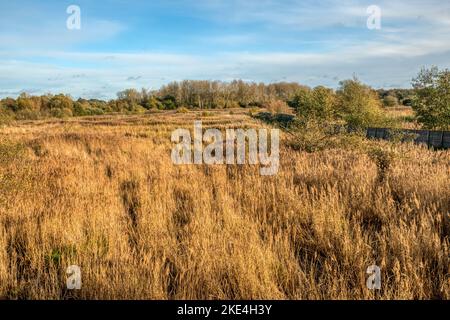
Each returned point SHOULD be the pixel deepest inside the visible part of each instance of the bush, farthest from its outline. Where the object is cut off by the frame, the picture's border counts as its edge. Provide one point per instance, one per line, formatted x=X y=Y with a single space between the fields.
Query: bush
x=94 y=111
x=359 y=105
x=182 y=110
x=390 y=101
x=318 y=104
x=278 y=106
x=207 y=114
x=61 y=102
x=307 y=136
x=27 y=114
x=79 y=109
x=432 y=100
x=168 y=103
x=61 y=113
x=138 y=109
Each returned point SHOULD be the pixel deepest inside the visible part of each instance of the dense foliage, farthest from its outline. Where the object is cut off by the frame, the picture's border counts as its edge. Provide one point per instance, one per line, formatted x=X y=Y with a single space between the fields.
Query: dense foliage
x=396 y=97
x=353 y=103
x=185 y=94
x=432 y=100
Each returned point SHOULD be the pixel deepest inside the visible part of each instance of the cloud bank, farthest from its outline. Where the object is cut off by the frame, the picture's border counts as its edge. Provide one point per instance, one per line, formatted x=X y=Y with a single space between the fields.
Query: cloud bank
x=312 y=42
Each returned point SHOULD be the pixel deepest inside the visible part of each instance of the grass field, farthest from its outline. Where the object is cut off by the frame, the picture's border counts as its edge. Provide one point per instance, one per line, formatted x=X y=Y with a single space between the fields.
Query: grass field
x=402 y=117
x=103 y=194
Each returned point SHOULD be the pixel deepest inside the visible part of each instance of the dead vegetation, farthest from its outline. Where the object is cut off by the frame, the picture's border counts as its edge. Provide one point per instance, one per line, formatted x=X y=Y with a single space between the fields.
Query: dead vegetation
x=102 y=193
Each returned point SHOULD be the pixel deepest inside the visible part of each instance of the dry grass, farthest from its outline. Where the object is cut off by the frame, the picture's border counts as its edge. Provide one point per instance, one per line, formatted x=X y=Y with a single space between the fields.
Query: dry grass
x=403 y=117
x=102 y=193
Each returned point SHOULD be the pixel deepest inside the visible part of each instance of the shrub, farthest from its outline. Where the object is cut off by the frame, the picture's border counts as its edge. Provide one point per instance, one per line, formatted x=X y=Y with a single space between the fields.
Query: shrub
x=278 y=106
x=319 y=103
x=138 y=109
x=168 y=102
x=308 y=136
x=359 y=105
x=94 y=111
x=390 y=101
x=61 y=101
x=27 y=114
x=182 y=110
x=207 y=114
x=79 y=109
x=432 y=100
x=61 y=113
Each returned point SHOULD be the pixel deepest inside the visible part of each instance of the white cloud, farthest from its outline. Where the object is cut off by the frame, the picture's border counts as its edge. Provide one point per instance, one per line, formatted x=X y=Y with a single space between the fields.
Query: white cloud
x=379 y=64
x=414 y=33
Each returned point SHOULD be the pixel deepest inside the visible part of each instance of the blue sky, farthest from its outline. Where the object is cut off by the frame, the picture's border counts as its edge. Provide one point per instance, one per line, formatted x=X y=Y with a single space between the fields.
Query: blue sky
x=125 y=44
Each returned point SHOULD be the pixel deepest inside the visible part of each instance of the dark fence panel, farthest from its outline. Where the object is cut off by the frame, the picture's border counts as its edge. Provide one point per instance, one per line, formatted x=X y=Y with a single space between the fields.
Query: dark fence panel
x=435 y=139
x=281 y=118
x=446 y=140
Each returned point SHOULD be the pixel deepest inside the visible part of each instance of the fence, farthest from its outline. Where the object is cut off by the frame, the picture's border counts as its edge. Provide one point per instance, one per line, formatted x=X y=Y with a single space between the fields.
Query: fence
x=435 y=139
x=281 y=118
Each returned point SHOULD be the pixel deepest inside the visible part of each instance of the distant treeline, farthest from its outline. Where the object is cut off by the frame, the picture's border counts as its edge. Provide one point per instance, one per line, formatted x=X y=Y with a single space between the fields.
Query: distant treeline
x=188 y=94
x=353 y=102
x=394 y=97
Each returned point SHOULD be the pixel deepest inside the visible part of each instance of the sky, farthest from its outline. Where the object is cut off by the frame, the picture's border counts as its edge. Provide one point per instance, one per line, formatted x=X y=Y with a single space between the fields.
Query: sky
x=144 y=44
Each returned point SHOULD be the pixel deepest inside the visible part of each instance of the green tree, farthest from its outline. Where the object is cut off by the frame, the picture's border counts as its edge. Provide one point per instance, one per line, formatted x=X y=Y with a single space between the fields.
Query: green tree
x=318 y=103
x=60 y=102
x=24 y=102
x=432 y=98
x=358 y=104
x=169 y=103
x=151 y=102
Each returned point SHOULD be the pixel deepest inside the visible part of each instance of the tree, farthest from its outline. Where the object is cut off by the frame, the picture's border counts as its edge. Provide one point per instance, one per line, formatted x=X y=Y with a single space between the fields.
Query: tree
x=432 y=98
x=130 y=96
x=169 y=103
x=60 y=101
x=358 y=104
x=301 y=101
x=152 y=103
x=24 y=102
x=318 y=104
